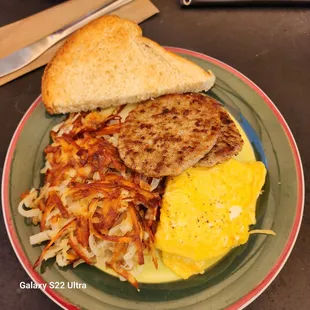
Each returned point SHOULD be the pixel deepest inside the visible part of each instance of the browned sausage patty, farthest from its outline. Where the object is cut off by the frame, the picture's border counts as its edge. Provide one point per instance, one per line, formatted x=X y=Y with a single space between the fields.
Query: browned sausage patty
x=229 y=143
x=169 y=134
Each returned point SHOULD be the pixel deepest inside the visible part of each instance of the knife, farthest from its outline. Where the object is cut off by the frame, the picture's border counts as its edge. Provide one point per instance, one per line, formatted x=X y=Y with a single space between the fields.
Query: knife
x=26 y=55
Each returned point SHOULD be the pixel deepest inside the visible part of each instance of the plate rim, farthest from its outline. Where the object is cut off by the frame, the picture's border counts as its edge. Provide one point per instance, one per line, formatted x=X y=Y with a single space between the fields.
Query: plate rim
x=241 y=303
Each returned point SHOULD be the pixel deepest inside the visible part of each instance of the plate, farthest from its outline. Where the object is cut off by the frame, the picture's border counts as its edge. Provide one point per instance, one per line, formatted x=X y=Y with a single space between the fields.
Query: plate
x=239 y=278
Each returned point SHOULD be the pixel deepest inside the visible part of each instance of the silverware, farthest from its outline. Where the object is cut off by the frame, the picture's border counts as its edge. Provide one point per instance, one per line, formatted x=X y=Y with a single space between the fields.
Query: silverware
x=32 y=51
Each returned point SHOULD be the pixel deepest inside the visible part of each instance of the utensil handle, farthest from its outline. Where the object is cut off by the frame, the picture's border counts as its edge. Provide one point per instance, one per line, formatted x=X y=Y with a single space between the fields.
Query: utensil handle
x=63 y=32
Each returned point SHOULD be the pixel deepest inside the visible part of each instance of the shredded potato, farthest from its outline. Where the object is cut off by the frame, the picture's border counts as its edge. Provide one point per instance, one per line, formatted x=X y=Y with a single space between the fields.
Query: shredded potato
x=42 y=236
x=91 y=205
x=262 y=231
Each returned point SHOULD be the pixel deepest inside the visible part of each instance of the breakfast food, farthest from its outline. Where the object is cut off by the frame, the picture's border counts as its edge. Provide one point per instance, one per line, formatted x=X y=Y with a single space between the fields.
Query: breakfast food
x=91 y=205
x=159 y=174
x=198 y=225
x=109 y=63
x=169 y=134
x=228 y=144
x=93 y=208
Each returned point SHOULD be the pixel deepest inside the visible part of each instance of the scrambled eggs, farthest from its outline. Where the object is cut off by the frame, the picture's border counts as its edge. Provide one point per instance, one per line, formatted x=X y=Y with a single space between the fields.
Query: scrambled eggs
x=206 y=212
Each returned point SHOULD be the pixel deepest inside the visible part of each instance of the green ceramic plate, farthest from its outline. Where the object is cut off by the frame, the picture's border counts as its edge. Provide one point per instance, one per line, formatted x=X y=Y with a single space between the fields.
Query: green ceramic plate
x=234 y=282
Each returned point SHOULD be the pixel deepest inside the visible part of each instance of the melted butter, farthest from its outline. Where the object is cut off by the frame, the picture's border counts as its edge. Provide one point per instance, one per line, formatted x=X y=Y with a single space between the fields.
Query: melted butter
x=149 y=274
x=163 y=274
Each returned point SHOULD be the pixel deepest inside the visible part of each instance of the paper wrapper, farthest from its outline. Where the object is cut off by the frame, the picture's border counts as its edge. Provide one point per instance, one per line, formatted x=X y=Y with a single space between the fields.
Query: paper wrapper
x=26 y=31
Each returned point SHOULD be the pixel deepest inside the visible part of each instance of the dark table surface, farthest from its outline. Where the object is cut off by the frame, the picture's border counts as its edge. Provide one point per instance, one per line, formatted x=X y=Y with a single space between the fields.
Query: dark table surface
x=269 y=45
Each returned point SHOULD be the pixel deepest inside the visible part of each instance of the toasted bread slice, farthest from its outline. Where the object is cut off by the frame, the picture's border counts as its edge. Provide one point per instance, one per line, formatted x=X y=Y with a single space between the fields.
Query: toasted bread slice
x=109 y=63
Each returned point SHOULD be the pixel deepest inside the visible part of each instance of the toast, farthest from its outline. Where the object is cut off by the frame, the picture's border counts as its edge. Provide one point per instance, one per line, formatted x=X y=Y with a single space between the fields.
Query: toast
x=109 y=63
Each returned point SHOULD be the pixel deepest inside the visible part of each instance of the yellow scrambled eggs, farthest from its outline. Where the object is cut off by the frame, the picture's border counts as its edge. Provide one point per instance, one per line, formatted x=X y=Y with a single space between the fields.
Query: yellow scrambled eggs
x=206 y=212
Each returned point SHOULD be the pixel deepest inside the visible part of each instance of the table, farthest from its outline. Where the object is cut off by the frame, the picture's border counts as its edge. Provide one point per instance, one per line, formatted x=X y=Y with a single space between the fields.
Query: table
x=269 y=45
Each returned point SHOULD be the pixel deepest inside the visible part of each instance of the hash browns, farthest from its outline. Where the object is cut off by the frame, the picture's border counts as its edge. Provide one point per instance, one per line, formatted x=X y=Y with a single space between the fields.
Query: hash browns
x=91 y=205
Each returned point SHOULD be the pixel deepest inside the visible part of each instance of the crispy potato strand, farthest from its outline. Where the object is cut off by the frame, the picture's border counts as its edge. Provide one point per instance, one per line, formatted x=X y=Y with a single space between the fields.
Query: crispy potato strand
x=138 y=233
x=53 y=240
x=124 y=274
x=55 y=201
x=82 y=230
x=79 y=250
x=46 y=212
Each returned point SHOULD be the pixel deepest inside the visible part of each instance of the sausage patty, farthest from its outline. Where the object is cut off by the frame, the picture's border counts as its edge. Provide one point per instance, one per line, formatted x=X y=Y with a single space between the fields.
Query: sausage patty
x=169 y=134
x=229 y=143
